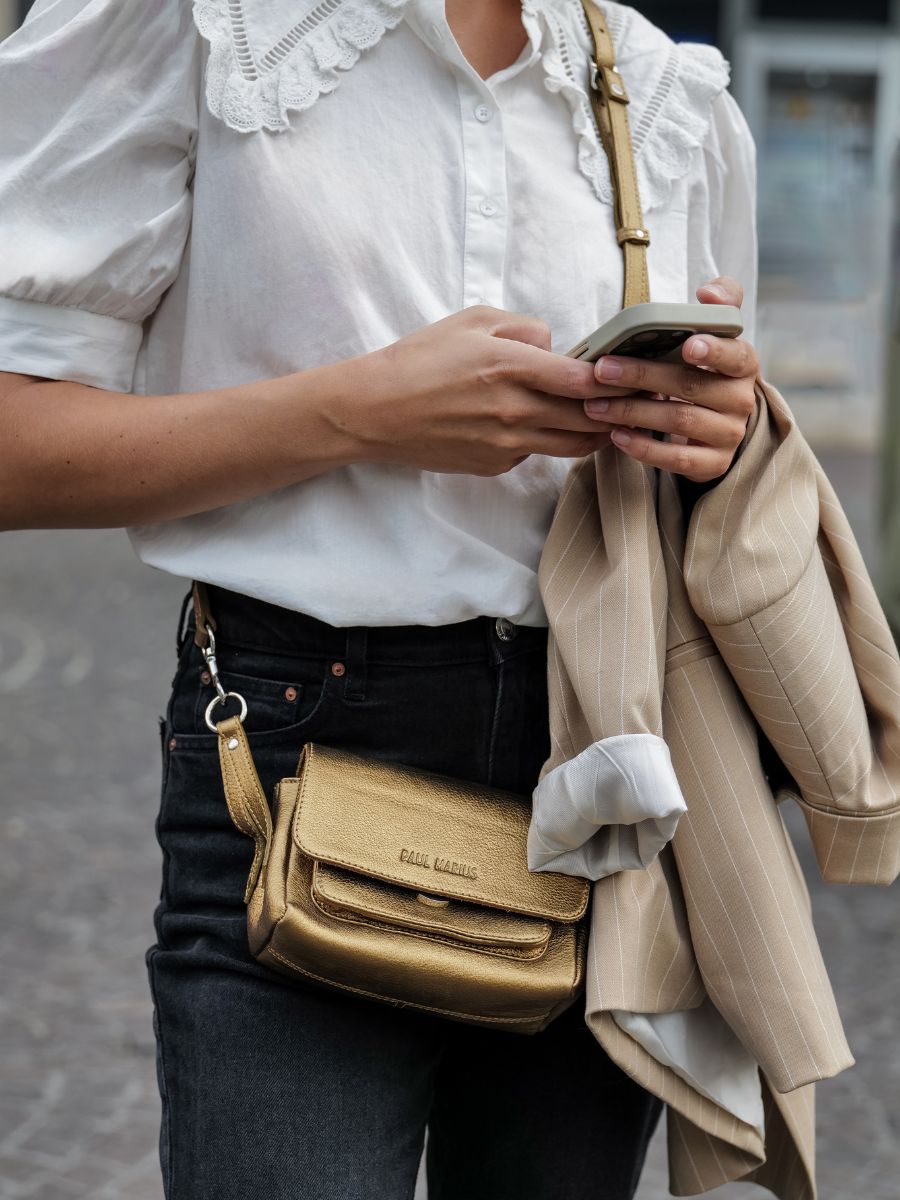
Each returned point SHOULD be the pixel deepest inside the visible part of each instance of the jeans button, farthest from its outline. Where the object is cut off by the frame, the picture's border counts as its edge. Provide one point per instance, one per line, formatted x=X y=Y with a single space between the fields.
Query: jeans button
x=505 y=629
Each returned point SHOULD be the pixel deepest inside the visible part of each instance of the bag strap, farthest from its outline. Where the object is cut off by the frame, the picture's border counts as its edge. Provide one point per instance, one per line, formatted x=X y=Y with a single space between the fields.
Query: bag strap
x=609 y=101
x=244 y=794
x=203 y=618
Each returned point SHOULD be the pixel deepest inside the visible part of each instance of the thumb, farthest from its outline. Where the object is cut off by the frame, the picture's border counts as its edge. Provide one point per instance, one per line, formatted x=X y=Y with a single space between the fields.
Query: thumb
x=722 y=290
x=519 y=327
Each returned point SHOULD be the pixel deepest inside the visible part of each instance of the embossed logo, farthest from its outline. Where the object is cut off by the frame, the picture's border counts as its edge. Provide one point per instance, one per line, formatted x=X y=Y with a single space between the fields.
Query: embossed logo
x=455 y=868
x=419 y=858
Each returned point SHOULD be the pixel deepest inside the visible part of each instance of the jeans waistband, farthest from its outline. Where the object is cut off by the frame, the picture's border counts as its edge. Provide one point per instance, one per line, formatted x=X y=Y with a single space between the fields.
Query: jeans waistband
x=252 y=624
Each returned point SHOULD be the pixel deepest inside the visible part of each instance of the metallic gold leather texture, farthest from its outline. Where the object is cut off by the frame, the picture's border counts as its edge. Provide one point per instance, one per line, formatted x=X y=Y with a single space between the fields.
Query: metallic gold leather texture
x=406 y=887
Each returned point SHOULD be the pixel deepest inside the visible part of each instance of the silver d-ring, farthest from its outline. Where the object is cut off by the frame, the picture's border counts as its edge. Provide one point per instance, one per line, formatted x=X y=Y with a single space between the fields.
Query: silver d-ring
x=221 y=700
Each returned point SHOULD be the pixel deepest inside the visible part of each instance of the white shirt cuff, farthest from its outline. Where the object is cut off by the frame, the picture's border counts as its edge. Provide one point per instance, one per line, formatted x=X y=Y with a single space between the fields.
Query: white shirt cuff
x=68 y=343
x=610 y=808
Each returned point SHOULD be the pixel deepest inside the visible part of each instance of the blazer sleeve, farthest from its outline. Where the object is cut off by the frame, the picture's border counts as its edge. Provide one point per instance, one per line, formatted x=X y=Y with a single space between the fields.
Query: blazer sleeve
x=773 y=569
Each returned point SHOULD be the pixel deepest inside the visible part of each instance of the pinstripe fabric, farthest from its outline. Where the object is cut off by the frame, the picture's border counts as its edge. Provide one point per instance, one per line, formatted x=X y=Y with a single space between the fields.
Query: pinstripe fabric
x=757 y=616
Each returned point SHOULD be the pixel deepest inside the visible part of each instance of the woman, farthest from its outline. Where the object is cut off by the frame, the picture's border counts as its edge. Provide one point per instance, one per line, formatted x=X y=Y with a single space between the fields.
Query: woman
x=279 y=292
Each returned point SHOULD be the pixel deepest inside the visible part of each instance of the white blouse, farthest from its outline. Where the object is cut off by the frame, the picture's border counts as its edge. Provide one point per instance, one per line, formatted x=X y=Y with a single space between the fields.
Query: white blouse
x=197 y=197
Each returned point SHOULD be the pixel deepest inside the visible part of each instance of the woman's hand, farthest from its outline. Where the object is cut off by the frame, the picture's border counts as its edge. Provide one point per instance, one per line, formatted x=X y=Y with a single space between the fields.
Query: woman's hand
x=705 y=406
x=475 y=393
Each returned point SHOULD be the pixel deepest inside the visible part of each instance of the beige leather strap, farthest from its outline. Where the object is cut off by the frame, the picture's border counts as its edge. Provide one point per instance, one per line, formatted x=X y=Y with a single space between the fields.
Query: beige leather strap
x=609 y=101
x=244 y=795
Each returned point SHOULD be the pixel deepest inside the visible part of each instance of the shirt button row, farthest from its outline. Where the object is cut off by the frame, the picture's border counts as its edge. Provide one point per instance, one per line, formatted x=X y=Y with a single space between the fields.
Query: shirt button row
x=483 y=112
x=487 y=208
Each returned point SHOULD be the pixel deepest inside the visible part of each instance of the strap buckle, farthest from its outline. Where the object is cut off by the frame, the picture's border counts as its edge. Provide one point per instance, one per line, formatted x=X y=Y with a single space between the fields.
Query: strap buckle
x=614 y=85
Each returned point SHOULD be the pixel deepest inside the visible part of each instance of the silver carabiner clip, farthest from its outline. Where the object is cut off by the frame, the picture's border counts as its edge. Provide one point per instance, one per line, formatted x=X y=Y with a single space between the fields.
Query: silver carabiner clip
x=221 y=696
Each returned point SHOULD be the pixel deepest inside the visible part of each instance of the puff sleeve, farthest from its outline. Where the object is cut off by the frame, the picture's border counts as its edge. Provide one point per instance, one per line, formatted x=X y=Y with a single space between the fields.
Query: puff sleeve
x=722 y=232
x=96 y=153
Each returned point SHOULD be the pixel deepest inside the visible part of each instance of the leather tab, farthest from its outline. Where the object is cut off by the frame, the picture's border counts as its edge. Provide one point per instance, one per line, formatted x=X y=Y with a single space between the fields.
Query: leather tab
x=244 y=795
x=614 y=87
x=202 y=615
x=639 y=236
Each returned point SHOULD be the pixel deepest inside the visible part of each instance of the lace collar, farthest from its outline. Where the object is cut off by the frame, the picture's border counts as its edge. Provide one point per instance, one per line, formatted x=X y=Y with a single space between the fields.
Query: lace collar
x=271 y=58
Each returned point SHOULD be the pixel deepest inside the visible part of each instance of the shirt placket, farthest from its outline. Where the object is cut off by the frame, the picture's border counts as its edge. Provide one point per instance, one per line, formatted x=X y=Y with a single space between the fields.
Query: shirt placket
x=484 y=158
x=487 y=208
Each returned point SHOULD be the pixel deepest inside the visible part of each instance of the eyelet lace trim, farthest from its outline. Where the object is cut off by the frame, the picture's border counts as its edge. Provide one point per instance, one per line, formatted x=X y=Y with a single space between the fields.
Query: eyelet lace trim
x=666 y=128
x=251 y=91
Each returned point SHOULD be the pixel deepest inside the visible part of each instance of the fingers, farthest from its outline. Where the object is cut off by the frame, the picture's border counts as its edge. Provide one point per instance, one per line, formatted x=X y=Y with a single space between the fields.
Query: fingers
x=567 y=445
x=724 y=289
x=700 y=463
x=734 y=357
x=674 y=417
x=725 y=390
x=541 y=370
x=518 y=327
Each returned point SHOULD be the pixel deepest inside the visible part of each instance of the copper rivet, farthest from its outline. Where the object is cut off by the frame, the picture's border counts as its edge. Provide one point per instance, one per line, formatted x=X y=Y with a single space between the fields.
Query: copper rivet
x=338 y=669
x=206 y=677
x=290 y=693
x=172 y=743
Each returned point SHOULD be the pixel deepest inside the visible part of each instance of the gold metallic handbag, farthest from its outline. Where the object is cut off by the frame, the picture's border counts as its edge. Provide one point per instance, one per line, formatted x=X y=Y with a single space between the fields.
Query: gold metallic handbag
x=399 y=884
x=402 y=885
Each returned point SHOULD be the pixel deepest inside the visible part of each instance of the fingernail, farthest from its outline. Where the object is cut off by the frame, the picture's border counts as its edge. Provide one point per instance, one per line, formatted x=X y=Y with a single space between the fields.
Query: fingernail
x=594 y=407
x=699 y=349
x=608 y=368
x=620 y=437
x=716 y=289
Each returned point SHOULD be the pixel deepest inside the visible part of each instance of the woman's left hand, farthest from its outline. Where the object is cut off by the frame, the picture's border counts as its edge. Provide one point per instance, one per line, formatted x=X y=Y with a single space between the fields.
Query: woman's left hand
x=705 y=406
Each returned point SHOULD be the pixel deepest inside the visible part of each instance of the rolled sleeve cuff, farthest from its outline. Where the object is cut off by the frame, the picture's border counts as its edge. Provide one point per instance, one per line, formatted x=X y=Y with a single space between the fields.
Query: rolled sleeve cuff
x=68 y=343
x=610 y=808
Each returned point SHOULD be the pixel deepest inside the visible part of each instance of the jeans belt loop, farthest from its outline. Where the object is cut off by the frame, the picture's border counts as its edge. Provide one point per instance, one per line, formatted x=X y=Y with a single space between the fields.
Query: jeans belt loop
x=355 y=679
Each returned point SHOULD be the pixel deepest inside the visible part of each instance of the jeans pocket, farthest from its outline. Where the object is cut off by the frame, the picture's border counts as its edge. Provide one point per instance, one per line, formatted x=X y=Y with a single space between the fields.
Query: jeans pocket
x=281 y=695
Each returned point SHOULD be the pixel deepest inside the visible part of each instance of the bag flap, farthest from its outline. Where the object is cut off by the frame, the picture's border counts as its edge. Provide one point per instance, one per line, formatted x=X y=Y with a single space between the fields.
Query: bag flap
x=439 y=836
x=348 y=894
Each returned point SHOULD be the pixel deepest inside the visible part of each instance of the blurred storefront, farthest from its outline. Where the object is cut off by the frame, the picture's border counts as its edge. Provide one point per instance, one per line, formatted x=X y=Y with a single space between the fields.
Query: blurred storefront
x=819 y=84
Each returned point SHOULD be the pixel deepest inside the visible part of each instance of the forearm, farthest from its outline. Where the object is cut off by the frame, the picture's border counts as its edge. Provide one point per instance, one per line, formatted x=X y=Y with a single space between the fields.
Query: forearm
x=74 y=456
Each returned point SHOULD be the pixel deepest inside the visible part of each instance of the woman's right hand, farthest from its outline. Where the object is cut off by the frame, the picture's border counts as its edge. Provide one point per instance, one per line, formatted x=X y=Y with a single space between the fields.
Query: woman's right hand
x=475 y=393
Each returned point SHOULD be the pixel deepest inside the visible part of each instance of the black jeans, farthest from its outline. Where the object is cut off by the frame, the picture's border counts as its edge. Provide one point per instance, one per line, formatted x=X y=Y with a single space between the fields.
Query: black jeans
x=275 y=1090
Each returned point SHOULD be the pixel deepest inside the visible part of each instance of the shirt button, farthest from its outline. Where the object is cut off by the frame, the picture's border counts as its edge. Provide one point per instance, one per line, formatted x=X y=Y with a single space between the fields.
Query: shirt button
x=483 y=112
x=487 y=208
x=506 y=631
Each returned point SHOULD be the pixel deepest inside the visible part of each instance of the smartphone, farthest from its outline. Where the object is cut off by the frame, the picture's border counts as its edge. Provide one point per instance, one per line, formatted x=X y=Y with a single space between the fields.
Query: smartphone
x=657 y=330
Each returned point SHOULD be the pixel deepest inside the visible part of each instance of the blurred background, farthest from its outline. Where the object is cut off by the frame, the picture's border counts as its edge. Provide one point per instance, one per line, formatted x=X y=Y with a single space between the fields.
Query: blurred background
x=79 y=872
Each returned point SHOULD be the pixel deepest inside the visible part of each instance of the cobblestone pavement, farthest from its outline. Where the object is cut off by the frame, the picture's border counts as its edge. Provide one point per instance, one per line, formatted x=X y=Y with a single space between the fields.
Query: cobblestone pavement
x=79 y=876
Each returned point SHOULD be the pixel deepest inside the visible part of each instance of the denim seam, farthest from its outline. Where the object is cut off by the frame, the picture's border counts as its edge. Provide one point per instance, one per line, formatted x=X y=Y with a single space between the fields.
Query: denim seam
x=169 y=1173
x=495 y=722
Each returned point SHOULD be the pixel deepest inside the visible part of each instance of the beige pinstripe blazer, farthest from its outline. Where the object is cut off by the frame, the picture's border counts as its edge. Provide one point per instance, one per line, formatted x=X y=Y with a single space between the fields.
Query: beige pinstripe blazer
x=705 y=980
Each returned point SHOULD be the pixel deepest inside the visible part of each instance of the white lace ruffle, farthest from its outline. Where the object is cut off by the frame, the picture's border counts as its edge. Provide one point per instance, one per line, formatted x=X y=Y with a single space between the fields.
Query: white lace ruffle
x=253 y=82
x=670 y=109
x=250 y=87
